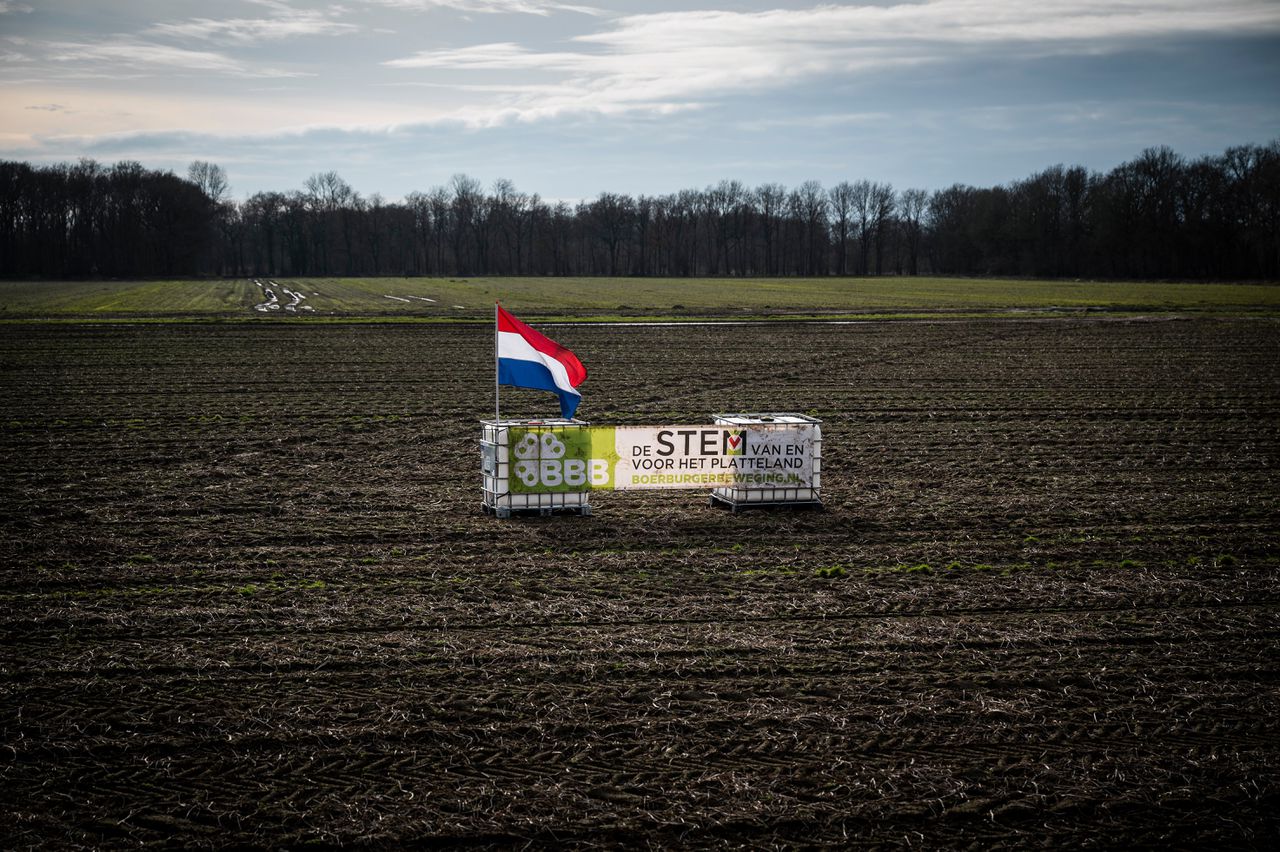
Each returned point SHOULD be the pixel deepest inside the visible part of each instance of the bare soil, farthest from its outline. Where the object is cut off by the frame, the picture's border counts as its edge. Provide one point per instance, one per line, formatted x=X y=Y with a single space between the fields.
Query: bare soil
x=248 y=595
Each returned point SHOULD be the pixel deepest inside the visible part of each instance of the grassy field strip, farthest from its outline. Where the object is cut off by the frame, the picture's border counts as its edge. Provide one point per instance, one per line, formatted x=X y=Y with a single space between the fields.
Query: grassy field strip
x=610 y=299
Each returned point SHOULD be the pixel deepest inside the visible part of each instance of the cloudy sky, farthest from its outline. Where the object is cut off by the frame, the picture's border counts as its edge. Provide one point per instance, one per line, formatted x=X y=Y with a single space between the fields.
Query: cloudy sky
x=572 y=98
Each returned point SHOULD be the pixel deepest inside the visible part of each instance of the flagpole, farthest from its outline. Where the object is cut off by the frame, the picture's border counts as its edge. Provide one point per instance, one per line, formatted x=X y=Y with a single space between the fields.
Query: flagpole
x=497 y=411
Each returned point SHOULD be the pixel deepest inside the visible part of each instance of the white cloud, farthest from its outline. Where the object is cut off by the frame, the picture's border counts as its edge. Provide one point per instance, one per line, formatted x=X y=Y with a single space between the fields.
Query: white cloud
x=7 y=6
x=504 y=56
x=672 y=60
x=939 y=22
x=286 y=22
x=820 y=121
x=120 y=54
x=493 y=7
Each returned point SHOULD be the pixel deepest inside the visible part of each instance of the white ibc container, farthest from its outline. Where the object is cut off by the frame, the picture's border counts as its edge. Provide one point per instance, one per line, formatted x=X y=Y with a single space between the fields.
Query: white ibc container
x=495 y=470
x=747 y=495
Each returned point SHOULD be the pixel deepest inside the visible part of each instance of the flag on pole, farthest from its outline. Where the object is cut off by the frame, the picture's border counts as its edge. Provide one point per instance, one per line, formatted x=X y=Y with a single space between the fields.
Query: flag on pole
x=529 y=359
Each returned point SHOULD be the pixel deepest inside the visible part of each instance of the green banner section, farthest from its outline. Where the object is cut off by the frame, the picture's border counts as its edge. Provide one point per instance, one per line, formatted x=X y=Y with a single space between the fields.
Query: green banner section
x=552 y=460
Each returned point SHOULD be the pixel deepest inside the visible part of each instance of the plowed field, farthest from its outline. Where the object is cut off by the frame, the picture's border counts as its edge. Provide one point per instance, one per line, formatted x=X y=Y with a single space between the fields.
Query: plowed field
x=248 y=596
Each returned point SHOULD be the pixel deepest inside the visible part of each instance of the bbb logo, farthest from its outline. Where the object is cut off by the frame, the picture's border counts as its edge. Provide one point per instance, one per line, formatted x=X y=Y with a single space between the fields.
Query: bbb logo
x=541 y=461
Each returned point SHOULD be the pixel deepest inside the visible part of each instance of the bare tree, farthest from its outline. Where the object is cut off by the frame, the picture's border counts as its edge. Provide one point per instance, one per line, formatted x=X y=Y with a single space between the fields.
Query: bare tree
x=611 y=216
x=560 y=230
x=912 y=203
x=438 y=200
x=211 y=178
x=770 y=200
x=864 y=217
x=263 y=214
x=882 y=204
x=810 y=204
x=464 y=213
x=723 y=204
x=327 y=193
x=508 y=214
x=419 y=205
x=841 y=198
x=327 y=190
x=377 y=217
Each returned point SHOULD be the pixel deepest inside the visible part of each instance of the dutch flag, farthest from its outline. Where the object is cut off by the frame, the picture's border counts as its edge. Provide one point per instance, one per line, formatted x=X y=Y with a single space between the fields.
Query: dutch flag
x=530 y=359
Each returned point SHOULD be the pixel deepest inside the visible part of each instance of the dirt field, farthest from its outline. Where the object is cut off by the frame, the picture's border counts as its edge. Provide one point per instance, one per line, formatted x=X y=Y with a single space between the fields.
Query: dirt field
x=247 y=594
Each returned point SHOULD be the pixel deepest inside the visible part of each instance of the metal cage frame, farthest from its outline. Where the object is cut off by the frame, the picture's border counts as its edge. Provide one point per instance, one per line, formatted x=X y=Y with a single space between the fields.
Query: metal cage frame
x=496 y=463
x=738 y=497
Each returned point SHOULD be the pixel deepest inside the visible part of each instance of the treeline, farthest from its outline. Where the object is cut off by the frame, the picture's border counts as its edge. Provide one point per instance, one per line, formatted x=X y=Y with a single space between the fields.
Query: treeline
x=1157 y=216
x=86 y=220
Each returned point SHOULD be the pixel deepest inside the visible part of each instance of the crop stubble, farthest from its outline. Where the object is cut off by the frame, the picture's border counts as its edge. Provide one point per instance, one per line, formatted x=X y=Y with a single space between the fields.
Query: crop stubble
x=247 y=593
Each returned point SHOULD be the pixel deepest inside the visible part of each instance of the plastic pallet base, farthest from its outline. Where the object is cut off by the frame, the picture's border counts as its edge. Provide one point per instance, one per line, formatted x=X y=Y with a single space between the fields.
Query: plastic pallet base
x=718 y=502
x=502 y=512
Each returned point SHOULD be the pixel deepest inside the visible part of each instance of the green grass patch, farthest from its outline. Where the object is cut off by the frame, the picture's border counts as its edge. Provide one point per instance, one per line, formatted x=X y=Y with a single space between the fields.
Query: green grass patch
x=957 y=568
x=620 y=299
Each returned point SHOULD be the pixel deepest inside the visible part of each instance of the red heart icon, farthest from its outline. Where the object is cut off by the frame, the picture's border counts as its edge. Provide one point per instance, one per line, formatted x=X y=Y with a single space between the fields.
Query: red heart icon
x=734 y=441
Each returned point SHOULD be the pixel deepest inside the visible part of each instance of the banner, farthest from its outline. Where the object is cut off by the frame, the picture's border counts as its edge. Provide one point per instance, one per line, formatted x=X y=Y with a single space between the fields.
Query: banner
x=549 y=459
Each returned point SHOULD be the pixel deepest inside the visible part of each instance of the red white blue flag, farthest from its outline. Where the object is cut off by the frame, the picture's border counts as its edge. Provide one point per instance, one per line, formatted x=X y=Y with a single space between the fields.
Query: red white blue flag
x=529 y=359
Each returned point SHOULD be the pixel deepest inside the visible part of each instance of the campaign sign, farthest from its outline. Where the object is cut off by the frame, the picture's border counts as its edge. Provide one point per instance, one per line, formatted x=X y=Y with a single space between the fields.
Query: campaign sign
x=547 y=459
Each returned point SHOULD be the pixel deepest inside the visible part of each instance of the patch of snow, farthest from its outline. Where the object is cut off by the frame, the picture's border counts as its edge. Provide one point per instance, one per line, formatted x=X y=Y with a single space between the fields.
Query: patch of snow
x=271 y=304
